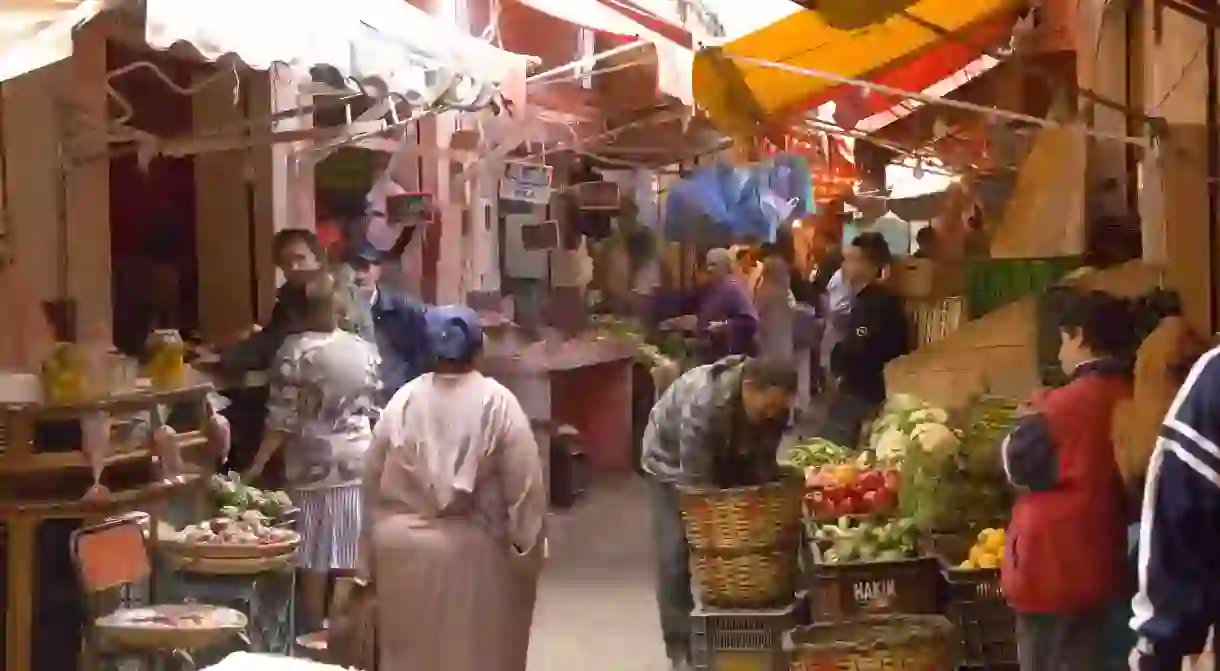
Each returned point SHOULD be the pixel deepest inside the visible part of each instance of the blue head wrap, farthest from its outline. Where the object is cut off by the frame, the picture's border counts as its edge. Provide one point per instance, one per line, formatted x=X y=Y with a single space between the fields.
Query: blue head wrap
x=454 y=332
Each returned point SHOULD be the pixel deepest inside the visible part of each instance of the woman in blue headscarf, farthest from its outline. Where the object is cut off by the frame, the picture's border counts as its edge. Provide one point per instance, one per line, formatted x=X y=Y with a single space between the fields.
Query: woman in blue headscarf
x=454 y=495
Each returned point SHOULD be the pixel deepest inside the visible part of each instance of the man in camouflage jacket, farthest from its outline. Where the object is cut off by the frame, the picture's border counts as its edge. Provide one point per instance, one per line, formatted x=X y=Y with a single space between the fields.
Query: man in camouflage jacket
x=717 y=426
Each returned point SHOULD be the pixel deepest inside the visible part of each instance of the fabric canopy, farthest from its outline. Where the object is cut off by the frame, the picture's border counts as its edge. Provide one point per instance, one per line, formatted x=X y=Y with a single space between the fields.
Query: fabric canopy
x=673 y=44
x=381 y=43
x=909 y=50
x=34 y=33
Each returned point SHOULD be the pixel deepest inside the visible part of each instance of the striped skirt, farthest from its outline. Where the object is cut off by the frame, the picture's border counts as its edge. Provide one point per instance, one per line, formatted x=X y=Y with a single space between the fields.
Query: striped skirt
x=330 y=528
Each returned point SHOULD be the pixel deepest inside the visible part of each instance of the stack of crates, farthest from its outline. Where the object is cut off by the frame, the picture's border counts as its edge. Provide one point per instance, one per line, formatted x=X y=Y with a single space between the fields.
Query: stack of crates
x=746 y=640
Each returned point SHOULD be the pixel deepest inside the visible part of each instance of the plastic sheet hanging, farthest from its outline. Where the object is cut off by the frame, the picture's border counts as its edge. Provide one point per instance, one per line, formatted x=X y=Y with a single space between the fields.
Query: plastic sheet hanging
x=721 y=205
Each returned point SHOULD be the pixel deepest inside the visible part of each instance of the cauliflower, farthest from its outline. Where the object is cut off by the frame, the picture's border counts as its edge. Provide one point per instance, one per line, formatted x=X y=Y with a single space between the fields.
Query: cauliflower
x=892 y=444
x=934 y=437
x=929 y=415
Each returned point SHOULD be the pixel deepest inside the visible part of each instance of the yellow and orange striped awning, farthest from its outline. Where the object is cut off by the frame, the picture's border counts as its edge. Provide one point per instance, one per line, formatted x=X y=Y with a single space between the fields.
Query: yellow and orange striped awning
x=909 y=48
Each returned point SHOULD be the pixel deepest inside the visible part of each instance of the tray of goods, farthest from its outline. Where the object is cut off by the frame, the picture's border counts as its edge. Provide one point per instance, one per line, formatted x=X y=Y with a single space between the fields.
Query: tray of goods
x=185 y=626
x=909 y=642
x=243 y=536
x=986 y=625
x=864 y=567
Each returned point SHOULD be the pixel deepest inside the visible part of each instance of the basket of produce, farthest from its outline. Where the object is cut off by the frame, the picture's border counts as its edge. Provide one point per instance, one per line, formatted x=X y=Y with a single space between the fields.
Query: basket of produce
x=246 y=536
x=986 y=625
x=952 y=479
x=863 y=567
x=742 y=518
x=906 y=642
x=748 y=578
x=184 y=626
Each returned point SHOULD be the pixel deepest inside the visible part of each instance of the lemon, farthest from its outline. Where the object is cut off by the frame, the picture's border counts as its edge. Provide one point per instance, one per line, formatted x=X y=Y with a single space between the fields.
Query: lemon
x=987 y=560
x=995 y=542
x=966 y=564
x=976 y=554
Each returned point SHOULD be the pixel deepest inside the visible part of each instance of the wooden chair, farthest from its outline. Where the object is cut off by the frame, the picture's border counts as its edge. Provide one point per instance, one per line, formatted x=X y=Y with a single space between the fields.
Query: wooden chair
x=112 y=557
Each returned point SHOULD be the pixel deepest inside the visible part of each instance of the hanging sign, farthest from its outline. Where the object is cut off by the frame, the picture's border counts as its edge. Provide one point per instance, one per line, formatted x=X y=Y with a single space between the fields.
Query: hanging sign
x=526 y=182
x=408 y=207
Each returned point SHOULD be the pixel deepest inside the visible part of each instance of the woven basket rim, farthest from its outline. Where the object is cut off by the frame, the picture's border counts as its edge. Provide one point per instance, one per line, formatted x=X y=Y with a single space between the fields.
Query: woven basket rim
x=777 y=550
x=786 y=483
x=903 y=629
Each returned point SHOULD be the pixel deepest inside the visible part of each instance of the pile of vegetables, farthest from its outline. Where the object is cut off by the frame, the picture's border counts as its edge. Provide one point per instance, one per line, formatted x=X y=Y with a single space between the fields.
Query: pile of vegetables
x=906 y=424
x=233 y=499
x=817 y=452
x=961 y=484
x=849 y=541
x=847 y=489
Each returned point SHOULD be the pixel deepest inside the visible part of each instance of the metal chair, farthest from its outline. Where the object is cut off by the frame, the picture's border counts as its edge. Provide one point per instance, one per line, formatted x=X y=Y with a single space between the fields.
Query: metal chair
x=112 y=560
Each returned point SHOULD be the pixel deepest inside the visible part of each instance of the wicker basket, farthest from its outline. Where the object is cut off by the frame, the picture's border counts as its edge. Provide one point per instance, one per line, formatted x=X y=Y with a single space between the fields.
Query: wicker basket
x=230 y=550
x=906 y=642
x=755 y=578
x=760 y=517
x=185 y=626
x=228 y=566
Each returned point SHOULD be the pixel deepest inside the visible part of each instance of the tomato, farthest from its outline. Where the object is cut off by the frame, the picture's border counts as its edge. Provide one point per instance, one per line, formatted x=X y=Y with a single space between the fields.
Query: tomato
x=893 y=481
x=872 y=480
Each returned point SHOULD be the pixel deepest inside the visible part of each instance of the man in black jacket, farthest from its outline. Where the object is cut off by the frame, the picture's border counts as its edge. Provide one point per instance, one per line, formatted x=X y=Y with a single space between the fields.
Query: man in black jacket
x=877 y=332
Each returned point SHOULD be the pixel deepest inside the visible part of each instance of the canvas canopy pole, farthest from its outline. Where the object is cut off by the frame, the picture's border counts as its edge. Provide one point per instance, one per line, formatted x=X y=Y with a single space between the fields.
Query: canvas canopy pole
x=947 y=102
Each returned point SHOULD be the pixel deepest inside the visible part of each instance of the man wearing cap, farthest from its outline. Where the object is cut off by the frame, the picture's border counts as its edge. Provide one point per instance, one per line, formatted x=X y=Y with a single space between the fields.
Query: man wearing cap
x=397 y=323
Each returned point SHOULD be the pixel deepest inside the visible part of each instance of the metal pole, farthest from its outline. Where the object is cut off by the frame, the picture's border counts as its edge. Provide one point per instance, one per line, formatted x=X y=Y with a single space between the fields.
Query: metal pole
x=947 y=102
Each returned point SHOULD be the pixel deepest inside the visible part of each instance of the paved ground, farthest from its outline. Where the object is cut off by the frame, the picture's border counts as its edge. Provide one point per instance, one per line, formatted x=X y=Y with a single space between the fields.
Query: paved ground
x=596 y=610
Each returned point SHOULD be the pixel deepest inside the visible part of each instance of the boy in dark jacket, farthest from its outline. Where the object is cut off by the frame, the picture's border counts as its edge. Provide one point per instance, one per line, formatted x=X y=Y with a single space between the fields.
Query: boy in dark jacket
x=876 y=332
x=1064 y=561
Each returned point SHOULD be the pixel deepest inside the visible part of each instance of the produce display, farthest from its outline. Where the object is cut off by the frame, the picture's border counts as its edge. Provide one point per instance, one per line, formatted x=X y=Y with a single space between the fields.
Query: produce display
x=817 y=452
x=987 y=551
x=250 y=528
x=846 y=489
x=851 y=540
x=906 y=424
x=233 y=498
x=955 y=480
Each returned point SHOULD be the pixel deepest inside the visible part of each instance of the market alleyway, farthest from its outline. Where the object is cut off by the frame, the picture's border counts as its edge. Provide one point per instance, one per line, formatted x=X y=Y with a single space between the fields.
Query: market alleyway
x=595 y=608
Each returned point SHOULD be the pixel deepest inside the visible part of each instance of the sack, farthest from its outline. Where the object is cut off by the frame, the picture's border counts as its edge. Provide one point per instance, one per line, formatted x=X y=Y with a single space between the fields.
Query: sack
x=352 y=637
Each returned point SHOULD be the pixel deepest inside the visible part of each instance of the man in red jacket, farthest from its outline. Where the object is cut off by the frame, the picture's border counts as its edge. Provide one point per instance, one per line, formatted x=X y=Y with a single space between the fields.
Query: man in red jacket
x=1066 y=547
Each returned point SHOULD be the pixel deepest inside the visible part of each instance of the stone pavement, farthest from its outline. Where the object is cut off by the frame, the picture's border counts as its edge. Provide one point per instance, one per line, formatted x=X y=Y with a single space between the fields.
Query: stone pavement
x=595 y=605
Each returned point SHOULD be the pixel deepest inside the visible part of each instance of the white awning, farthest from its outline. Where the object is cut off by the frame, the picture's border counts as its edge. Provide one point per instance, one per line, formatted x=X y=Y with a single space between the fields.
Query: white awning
x=674 y=59
x=36 y=33
x=374 y=42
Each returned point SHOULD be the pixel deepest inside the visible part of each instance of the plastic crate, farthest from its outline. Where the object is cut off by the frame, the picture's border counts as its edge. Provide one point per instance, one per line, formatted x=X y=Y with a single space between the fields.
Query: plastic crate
x=994 y=283
x=849 y=590
x=985 y=623
x=935 y=319
x=748 y=640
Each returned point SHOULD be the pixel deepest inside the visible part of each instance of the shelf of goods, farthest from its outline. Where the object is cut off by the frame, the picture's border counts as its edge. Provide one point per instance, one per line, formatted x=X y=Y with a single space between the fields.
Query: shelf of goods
x=49 y=487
